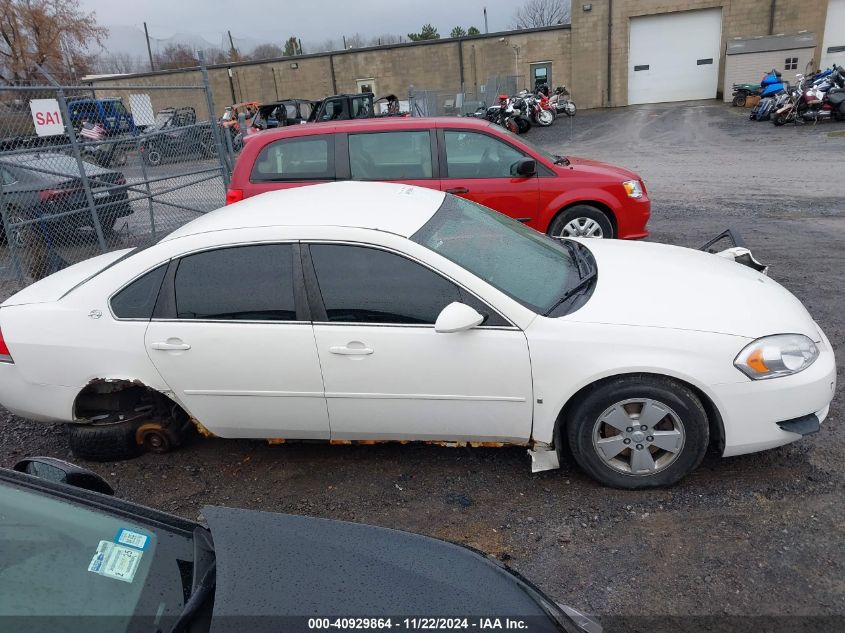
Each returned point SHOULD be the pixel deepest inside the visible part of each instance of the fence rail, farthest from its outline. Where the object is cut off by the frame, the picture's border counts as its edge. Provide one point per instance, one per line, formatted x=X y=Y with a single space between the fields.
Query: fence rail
x=113 y=174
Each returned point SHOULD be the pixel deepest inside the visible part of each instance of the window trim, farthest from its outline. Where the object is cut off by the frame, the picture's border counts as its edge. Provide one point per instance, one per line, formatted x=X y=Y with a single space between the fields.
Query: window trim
x=432 y=137
x=542 y=170
x=331 y=156
x=165 y=308
x=166 y=262
x=318 y=308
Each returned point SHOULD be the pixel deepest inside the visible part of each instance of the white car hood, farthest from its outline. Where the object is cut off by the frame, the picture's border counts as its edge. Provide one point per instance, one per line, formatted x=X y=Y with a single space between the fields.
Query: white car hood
x=656 y=285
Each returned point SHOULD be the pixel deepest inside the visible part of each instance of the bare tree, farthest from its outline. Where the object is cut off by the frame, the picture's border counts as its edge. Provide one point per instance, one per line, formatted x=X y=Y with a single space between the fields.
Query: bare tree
x=119 y=64
x=52 y=33
x=535 y=13
x=176 y=56
x=385 y=39
x=266 y=51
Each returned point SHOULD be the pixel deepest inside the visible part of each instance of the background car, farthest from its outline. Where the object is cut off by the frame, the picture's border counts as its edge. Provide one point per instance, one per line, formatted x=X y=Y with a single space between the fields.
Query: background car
x=176 y=135
x=76 y=558
x=48 y=186
x=564 y=197
x=383 y=312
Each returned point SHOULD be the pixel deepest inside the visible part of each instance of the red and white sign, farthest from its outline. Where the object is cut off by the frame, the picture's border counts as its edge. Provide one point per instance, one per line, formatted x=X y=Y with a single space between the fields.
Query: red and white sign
x=46 y=117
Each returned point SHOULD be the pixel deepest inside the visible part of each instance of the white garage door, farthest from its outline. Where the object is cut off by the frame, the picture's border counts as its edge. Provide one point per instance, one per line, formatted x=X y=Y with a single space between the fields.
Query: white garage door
x=833 y=48
x=674 y=56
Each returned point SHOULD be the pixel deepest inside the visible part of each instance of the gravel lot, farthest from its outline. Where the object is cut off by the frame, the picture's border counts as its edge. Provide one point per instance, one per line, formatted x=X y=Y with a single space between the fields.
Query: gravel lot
x=743 y=544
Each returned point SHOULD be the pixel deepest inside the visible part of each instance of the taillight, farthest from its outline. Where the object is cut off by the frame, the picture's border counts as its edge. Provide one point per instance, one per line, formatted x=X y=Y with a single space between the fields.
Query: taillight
x=5 y=356
x=46 y=195
x=234 y=195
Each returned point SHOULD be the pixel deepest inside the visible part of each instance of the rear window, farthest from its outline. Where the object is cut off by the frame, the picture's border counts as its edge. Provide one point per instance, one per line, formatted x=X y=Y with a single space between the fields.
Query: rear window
x=302 y=158
x=138 y=299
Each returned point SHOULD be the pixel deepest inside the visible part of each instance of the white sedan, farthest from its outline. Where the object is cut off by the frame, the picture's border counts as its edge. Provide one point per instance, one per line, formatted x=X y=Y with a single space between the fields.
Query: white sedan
x=377 y=312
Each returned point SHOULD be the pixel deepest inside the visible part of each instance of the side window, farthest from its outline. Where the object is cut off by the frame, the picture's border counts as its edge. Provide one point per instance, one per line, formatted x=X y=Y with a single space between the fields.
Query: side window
x=390 y=155
x=138 y=299
x=8 y=177
x=367 y=285
x=304 y=158
x=247 y=283
x=476 y=155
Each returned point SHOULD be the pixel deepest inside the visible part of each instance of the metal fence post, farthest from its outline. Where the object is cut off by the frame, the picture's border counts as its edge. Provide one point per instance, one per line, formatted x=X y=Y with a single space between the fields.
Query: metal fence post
x=80 y=164
x=215 y=131
x=146 y=185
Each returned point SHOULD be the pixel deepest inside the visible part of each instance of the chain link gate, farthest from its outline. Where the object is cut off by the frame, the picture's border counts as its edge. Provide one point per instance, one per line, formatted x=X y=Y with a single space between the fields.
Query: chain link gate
x=121 y=168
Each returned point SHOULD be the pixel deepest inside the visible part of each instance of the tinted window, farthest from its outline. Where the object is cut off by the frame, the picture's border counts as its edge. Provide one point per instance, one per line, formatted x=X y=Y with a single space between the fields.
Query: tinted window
x=252 y=283
x=474 y=155
x=138 y=299
x=366 y=285
x=390 y=156
x=307 y=158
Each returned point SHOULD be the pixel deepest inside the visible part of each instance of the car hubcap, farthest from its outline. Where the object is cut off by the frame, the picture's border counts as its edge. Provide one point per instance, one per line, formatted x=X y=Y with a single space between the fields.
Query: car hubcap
x=639 y=436
x=582 y=227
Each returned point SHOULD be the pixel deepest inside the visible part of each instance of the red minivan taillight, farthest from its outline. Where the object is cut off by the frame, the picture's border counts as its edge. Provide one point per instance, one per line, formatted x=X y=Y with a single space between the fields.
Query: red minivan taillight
x=5 y=356
x=234 y=195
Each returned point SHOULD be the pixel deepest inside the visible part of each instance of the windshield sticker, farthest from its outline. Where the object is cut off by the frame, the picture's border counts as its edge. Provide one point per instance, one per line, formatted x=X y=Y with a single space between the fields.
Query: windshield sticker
x=132 y=539
x=115 y=561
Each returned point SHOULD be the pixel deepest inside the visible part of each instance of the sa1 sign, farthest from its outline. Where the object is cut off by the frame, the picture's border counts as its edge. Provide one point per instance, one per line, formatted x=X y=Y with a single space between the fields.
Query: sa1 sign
x=46 y=117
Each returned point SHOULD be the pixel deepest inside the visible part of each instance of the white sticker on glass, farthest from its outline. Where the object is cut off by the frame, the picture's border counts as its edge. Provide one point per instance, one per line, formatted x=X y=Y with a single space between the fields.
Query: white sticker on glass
x=115 y=561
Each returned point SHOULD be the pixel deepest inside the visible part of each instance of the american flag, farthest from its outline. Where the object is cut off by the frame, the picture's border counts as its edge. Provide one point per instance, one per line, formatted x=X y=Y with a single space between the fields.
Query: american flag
x=95 y=132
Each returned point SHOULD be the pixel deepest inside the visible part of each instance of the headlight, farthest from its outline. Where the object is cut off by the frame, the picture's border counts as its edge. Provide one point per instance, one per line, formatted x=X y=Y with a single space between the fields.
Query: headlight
x=778 y=355
x=633 y=188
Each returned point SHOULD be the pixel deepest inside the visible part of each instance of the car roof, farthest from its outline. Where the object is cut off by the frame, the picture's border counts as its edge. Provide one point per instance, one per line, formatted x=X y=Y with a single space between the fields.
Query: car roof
x=390 y=207
x=374 y=124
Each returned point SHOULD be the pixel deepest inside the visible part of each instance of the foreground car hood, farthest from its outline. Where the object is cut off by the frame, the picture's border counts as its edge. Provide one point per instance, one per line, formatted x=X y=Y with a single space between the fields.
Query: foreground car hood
x=278 y=565
x=656 y=285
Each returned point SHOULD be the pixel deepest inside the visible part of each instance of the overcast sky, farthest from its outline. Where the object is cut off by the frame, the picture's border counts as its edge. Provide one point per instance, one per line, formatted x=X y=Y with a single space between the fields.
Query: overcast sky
x=312 y=21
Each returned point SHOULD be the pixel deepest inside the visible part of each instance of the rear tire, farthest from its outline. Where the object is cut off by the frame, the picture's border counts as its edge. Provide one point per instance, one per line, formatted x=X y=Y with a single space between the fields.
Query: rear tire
x=104 y=442
x=739 y=100
x=632 y=457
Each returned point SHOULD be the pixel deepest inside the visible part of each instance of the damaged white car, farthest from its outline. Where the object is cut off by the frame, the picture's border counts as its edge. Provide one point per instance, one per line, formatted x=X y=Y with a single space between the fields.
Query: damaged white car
x=377 y=312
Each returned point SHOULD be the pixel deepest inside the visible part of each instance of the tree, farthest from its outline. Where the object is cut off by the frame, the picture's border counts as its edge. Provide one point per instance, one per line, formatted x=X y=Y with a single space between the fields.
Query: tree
x=427 y=32
x=384 y=39
x=458 y=31
x=292 y=47
x=56 y=34
x=266 y=51
x=355 y=41
x=119 y=64
x=176 y=56
x=473 y=31
x=536 y=13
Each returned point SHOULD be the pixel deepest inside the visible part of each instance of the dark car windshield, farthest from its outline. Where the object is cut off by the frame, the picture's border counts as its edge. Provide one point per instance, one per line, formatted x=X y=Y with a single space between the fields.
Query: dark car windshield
x=526 y=265
x=65 y=567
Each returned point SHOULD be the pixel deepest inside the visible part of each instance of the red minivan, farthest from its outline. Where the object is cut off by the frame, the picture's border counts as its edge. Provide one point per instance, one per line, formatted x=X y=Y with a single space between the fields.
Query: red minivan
x=472 y=158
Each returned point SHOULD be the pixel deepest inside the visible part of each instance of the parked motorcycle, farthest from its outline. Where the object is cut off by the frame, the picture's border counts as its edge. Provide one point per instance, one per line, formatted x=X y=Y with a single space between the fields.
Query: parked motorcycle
x=539 y=110
x=561 y=103
x=815 y=98
x=516 y=113
x=773 y=88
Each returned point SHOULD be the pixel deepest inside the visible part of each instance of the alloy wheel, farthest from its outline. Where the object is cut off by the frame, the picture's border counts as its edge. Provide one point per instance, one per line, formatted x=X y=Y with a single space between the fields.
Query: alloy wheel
x=638 y=436
x=582 y=227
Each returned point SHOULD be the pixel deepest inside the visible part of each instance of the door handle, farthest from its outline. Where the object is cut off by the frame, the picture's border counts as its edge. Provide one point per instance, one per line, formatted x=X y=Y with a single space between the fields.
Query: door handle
x=350 y=351
x=458 y=190
x=170 y=346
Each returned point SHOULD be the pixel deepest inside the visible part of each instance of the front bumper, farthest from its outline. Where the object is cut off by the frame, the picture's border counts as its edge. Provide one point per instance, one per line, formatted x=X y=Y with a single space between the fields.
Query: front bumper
x=761 y=414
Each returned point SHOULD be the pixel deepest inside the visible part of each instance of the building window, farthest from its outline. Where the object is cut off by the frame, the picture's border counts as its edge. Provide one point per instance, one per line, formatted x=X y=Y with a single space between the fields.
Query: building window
x=791 y=63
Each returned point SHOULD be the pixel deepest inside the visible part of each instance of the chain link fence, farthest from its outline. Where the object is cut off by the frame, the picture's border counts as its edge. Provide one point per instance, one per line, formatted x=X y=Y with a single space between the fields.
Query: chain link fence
x=445 y=102
x=84 y=171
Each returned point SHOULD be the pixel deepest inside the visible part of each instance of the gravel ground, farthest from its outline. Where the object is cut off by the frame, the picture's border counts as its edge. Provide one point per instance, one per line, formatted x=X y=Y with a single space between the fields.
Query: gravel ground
x=749 y=543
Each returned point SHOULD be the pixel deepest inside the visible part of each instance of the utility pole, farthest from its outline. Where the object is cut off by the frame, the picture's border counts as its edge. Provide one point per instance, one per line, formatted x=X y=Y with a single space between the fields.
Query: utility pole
x=232 y=50
x=486 y=30
x=149 y=50
x=344 y=42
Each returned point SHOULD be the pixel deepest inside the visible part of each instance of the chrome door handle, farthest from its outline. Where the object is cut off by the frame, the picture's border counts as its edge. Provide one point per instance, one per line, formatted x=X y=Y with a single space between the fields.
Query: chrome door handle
x=350 y=351
x=166 y=346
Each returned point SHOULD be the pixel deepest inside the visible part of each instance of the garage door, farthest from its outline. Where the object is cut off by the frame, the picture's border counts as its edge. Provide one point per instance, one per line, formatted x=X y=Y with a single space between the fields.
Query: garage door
x=833 y=48
x=674 y=56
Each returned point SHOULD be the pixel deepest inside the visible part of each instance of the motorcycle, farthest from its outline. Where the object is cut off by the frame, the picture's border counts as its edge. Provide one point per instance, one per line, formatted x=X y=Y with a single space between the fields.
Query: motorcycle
x=539 y=110
x=772 y=90
x=815 y=99
x=561 y=103
x=517 y=117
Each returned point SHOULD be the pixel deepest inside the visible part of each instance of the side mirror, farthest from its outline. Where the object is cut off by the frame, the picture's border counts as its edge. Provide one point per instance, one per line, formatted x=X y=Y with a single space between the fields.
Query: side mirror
x=524 y=167
x=60 y=471
x=457 y=317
